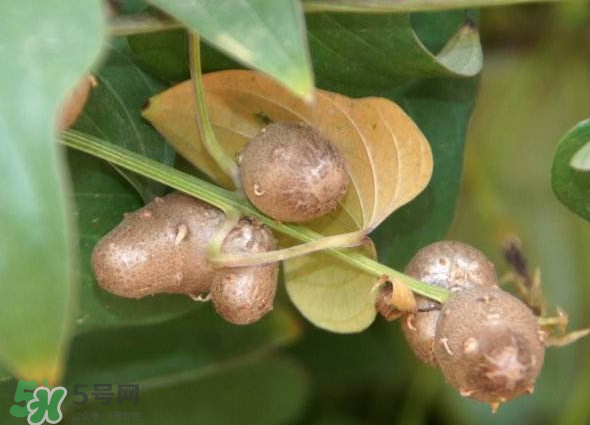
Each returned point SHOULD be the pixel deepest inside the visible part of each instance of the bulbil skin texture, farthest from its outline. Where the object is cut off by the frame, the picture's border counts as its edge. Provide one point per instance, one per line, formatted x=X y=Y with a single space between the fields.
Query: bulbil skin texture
x=489 y=345
x=451 y=265
x=243 y=295
x=74 y=103
x=160 y=248
x=292 y=173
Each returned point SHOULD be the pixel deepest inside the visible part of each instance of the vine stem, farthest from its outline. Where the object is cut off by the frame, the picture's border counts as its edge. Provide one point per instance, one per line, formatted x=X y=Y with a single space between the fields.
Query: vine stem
x=232 y=217
x=227 y=200
x=142 y=23
x=217 y=152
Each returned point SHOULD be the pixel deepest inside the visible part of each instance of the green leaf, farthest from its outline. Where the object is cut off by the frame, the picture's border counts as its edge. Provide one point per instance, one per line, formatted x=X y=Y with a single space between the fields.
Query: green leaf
x=572 y=187
x=384 y=51
x=268 y=36
x=330 y=294
x=164 y=54
x=197 y=352
x=113 y=113
x=194 y=365
x=433 y=103
x=258 y=391
x=36 y=252
x=102 y=197
x=581 y=159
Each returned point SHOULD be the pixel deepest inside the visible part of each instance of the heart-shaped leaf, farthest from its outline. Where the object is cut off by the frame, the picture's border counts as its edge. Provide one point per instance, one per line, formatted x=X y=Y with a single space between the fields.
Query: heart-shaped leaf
x=572 y=187
x=46 y=48
x=266 y=35
x=388 y=158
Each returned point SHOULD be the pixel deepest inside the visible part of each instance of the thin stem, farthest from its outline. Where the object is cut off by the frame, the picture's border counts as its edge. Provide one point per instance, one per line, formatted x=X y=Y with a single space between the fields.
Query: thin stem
x=232 y=217
x=345 y=240
x=225 y=199
x=121 y=26
x=214 y=148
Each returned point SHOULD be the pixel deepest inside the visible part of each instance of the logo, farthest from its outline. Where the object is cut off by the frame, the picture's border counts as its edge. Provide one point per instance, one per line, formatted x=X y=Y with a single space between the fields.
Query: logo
x=42 y=403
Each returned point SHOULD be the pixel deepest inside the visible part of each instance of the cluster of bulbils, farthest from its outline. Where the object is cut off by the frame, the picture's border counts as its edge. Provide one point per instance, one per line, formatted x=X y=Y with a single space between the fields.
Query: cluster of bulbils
x=289 y=171
x=486 y=342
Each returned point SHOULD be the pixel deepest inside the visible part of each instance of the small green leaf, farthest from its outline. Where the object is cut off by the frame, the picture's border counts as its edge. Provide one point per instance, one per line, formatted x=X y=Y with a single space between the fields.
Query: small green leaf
x=113 y=113
x=51 y=44
x=331 y=294
x=581 y=159
x=102 y=197
x=572 y=187
x=266 y=35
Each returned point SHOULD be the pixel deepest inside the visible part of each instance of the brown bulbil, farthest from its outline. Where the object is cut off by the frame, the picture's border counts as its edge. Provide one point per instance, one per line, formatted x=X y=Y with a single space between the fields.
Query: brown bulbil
x=73 y=104
x=159 y=248
x=292 y=173
x=489 y=345
x=243 y=295
x=451 y=265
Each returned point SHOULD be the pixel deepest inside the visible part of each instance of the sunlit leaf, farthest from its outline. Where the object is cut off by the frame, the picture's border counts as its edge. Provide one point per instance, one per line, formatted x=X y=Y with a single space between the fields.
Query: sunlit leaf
x=46 y=48
x=389 y=159
x=266 y=35
x=330 y=294
x=572 y=187
x=581 y=159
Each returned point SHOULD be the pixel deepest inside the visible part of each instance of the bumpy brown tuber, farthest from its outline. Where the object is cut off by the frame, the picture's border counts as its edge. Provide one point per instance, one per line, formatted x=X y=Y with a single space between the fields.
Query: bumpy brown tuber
x=243 y=295
x=162 y=248
x=292 y=173
x=159 y=248
x=489 y=345
x=447 y=264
